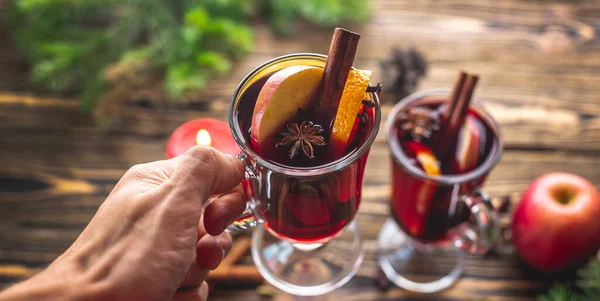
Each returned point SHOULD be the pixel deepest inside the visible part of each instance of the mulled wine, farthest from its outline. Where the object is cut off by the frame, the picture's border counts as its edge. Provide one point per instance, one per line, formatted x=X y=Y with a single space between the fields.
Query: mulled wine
x=305 y=209
x=443 y=145
x=424 y=208
x=305 y=123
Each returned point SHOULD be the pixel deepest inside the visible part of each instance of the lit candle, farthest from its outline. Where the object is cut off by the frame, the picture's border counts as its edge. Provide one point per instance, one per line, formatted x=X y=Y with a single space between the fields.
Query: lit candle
x=203 y=138
x=202 y=131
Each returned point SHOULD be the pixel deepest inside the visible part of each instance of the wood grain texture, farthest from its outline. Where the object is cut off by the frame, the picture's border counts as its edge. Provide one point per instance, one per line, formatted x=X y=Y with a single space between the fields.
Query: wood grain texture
x=539 y=63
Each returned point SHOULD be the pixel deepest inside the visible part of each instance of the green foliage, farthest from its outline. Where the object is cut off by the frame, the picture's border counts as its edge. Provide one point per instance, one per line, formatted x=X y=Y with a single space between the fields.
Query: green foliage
x=589 y=280
x=561 y=292
x=333 y=12
x=588 y=284
x=283 y=13
x=73 y=43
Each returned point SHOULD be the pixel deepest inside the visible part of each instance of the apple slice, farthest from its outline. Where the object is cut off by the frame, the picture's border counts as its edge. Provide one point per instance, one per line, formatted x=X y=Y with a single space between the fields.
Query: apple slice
x=310 y=210
x=286 y=91
x=352 y=96
x=468 y=146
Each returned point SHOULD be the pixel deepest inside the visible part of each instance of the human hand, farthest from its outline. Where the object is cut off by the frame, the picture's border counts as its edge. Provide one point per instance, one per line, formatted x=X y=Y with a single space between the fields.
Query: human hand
x=148 y=240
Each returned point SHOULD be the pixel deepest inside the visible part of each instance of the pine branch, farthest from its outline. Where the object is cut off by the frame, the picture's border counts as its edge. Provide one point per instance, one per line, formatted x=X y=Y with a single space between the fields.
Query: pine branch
x=588 y=283
x=561 y=292
x=78 y=44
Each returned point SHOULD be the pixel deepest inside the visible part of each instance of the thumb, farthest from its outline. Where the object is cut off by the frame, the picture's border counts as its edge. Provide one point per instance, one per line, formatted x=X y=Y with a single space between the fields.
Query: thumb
x=203 y=171
x=196 y=175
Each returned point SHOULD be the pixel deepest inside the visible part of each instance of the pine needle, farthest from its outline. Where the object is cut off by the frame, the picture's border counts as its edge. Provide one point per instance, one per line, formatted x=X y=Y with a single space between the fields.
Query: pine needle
x=72 y=45
x=588 y=283
x=561 y=292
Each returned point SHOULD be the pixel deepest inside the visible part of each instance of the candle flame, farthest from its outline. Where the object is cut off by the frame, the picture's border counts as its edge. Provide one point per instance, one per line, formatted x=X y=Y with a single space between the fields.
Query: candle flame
x=203 y=138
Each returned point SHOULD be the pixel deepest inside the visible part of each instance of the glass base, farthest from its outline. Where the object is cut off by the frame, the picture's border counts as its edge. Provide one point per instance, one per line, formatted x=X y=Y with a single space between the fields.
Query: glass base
x=414 y=266
x=308 y=270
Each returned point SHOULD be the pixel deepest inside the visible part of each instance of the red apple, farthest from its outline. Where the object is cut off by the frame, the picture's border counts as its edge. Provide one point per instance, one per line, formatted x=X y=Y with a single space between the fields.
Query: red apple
x=557 y=223
x=286 y=91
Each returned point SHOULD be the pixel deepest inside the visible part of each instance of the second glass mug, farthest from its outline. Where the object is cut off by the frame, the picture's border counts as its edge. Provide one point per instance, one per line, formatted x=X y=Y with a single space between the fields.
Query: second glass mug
x=442 y=217
x=305 y=241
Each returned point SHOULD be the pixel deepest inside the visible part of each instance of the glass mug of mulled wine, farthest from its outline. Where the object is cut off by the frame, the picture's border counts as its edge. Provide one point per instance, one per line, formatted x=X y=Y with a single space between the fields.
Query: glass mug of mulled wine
x=304 y=241
x=438 y=212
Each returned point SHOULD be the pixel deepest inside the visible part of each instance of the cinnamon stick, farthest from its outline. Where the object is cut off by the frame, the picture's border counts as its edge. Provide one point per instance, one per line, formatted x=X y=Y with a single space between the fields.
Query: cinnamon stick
x=458 y=85
x=236 y=273
x=464 y=100
x=456 y=113
x=228 y=271
x=339 y=62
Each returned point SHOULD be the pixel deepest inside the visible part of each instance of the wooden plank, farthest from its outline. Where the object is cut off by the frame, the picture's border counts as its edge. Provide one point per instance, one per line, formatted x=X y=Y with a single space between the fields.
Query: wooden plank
x=539 y=123
x=105 y=158
x=465 y=31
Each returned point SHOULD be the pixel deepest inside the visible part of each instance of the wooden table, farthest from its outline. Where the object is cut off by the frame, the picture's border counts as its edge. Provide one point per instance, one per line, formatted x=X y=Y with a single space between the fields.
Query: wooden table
x=540 y=67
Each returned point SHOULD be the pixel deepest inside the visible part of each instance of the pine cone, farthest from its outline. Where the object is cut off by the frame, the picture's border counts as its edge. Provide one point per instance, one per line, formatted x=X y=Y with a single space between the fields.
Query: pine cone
x=402 y=70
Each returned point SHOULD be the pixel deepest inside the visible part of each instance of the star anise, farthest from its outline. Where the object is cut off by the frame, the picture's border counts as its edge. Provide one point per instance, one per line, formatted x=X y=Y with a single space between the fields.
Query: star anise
x=419 y=122
x=304 y=136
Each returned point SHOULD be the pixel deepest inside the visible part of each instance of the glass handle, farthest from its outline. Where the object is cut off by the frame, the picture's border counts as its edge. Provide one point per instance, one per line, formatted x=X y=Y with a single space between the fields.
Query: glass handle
x=480 y=234
x=250 y=171
x=247 y=220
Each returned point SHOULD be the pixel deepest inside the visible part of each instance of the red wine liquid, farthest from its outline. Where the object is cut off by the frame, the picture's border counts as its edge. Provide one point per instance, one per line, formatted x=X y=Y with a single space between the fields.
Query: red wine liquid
x=305 y=209
x=424 y=209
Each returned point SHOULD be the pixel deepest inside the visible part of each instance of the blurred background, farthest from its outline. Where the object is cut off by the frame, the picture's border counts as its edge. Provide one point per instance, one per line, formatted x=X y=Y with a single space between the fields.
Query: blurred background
x=90 y=87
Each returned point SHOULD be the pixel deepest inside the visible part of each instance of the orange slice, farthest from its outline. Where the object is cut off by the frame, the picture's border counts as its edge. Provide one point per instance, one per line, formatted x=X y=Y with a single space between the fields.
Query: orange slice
x=350 y=103
x=425 y=157
x=429 y=164
x=426 y=190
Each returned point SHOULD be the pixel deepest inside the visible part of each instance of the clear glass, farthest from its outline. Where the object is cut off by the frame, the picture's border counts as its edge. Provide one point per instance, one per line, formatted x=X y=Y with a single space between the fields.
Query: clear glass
x=306 y=242
x=435 y=220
